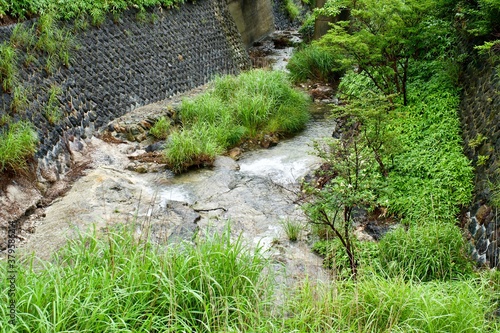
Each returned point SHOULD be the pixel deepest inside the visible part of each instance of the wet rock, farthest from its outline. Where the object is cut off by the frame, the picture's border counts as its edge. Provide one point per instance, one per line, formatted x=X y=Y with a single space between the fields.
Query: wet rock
x=377 y=231
x=322 y=92
x=157 y=146
x=482 y=213
x=235 y=153
x=269 y=141
x=223 y=162
x=473 y=226
x=481 y=231
x=482 y=245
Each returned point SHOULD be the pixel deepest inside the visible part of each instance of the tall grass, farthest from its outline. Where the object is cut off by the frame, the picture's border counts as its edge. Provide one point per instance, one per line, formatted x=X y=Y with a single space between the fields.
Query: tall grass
x=18 y=142
x=118 y=283
x=115 y=283
x=375 y=304
x=236 y=108
x=425 y=252
x=8 y=66
x=314 y=62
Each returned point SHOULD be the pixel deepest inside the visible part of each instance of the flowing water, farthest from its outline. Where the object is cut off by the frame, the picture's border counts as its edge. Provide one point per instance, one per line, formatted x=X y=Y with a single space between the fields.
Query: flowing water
x=254 y=195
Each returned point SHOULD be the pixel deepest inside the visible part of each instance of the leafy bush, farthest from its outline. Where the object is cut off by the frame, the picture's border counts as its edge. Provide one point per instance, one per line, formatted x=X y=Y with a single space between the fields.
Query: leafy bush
x=234 y=109
x=314 y=62
x=425 y=252
x=116 y=283
x=17 y=143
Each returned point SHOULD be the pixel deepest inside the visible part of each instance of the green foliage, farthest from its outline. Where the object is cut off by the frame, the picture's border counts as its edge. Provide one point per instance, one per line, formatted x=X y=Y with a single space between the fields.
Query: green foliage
x=477 y=141
x=161 y=128
x=336 y=259
x=116 y=283
x=236 y=108
x=426 y=252
x=8 y=66
x=52 y=109
x=382 y=36
x=291 y=9
x=194 y=146
x=65 y=9
x=375 y=304
x=18 y=142
x=314 y=62
x=431 y=177
x=23 y=36
x=55 y=42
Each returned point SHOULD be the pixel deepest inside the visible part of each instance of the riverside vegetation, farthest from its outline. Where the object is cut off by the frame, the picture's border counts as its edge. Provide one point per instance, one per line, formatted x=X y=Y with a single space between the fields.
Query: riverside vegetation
x=399 y=151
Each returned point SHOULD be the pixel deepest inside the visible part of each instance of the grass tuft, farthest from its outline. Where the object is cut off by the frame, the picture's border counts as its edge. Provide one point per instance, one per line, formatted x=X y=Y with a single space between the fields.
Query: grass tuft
x=161 y=128
x=18 y=142
x=292 y=229
x=314 y=62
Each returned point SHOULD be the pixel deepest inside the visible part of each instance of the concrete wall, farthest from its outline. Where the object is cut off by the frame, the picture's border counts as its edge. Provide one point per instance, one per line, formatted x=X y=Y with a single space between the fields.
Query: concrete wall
x=254 y=19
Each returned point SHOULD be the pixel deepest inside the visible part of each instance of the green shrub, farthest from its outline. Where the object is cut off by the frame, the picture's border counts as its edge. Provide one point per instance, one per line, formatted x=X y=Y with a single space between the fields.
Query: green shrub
x=115 y=283
x=314 y=62
x=18 y=143
x=425 y=252
x=161 y=128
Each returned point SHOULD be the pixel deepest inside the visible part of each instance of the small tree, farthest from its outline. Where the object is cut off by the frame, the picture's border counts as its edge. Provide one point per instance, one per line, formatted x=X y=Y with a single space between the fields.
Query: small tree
x=353 y=185
x=382 y=36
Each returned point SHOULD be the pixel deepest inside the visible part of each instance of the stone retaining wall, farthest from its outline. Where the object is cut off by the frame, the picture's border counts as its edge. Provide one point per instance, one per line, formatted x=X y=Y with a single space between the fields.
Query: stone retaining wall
x=480 y=117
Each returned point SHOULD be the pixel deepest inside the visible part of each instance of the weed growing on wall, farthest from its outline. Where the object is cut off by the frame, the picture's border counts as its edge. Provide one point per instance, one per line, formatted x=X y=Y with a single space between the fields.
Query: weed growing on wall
x=18 y=142
x=236 y=108
x=8 y=66
x=52 y=109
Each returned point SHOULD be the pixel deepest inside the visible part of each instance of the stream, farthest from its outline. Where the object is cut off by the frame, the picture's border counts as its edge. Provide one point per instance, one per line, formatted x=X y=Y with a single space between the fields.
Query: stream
x=254 y=195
